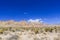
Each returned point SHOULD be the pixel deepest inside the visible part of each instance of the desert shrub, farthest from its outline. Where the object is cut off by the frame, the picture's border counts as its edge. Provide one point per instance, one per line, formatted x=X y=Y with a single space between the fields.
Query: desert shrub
x=1 y=31
x=5 y=29
x=36 y=39
x=0 y=38
x=51 y=29
x=13 y=30
x=10 y=28
x=36 y=30
x=48 y=29
x=56 y=39
x=14 y=37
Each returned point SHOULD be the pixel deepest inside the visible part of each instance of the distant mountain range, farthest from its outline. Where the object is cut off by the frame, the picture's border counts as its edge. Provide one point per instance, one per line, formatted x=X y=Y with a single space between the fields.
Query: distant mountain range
x=23 y=23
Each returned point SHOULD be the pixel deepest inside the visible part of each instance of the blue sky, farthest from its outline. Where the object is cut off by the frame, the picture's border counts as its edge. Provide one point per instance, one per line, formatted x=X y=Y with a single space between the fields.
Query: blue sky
x=47 y=10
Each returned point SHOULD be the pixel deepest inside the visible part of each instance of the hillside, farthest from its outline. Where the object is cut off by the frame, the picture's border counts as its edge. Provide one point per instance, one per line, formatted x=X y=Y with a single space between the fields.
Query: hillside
x=24 y=30
x=13 y=23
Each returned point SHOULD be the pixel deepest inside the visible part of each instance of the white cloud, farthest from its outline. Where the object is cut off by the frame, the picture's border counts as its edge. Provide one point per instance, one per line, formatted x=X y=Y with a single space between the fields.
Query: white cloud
x=35 y=20
x=25 y=13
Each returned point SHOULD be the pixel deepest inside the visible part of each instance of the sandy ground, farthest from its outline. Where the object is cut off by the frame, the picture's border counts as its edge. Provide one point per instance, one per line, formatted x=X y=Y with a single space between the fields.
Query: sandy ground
x=28 y=35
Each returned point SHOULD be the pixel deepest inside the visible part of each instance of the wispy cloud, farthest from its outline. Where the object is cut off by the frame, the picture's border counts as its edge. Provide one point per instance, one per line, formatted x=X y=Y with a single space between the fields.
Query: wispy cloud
x=35 y=20
x=52 y=20
x=25 y=13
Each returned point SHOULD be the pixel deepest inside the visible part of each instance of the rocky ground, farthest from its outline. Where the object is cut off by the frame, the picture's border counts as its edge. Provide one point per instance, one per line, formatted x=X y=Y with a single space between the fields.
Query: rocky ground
x=29 y=35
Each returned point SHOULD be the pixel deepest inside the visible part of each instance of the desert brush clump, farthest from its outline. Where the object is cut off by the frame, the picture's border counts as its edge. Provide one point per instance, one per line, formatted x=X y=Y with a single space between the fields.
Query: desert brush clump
x=34 y=29
x=48 y=29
